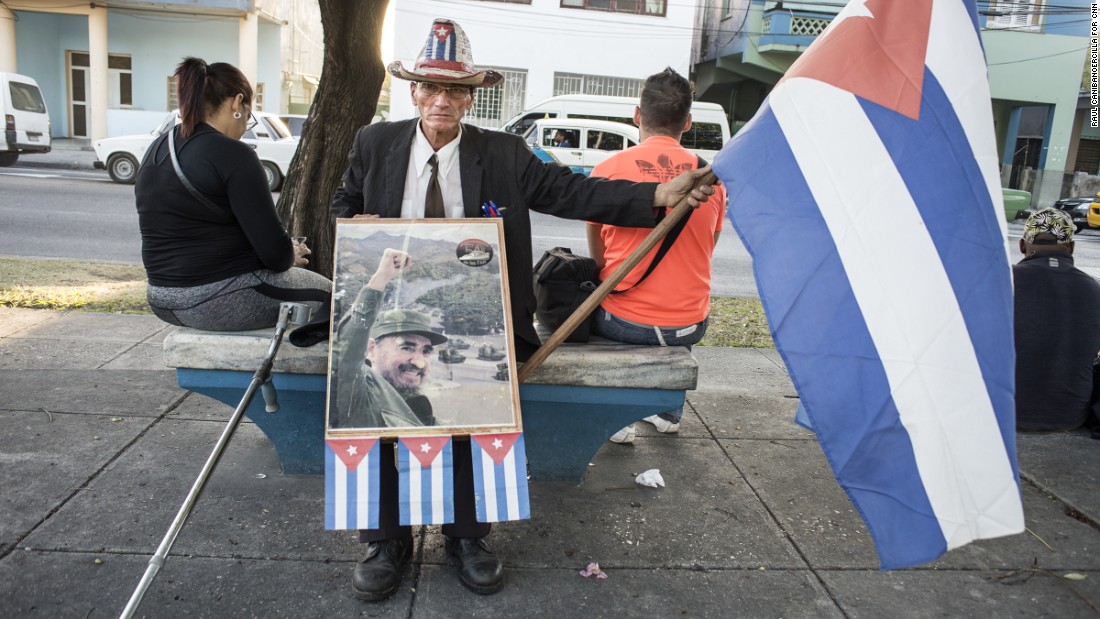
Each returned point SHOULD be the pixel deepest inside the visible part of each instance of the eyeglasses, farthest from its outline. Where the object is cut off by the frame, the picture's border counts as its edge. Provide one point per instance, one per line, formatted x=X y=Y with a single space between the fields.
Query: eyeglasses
x=455 y=93
x=252 y=123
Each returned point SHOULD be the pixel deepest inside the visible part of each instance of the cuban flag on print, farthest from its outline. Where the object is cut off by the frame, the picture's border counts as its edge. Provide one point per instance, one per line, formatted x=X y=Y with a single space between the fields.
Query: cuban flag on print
x=866 y=190
x=351 y=484
x=500 y=477
x=425 y=471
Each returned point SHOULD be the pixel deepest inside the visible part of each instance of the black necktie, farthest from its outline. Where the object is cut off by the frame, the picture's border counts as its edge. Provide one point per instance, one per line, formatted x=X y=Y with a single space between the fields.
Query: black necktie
x=433 y=203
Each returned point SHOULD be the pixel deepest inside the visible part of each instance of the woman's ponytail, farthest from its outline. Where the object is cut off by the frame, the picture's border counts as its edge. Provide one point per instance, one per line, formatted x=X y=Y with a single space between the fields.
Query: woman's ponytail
x=203 y=88
x=191 y=88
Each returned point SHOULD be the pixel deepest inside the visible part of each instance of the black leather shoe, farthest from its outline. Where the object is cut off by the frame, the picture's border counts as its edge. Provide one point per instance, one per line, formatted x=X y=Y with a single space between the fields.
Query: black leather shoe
x=379 y=572
x=479 y=570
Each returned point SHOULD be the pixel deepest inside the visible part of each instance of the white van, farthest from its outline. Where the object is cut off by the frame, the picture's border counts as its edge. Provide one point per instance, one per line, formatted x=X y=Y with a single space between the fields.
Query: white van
x=26 y=122
x=709 y=128
x=585 y=144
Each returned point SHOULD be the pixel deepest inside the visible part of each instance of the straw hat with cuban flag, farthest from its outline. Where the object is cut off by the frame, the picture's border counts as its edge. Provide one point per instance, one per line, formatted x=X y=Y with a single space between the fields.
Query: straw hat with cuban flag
x=446 y=59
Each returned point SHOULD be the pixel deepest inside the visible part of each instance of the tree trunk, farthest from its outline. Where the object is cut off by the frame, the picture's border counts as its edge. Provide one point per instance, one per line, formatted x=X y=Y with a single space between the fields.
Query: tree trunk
x=346 y=98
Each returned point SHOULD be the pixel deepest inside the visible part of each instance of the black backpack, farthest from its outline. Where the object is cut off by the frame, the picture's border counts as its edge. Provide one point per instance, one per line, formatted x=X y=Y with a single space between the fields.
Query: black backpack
x=562 y=282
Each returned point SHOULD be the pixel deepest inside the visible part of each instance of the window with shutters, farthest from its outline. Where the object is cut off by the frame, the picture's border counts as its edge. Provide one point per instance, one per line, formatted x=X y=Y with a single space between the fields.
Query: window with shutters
x=173 y=93
x=1015 y=14
x=579 y=84
x=1088 y=156
x=493 y=106
x=637 y=7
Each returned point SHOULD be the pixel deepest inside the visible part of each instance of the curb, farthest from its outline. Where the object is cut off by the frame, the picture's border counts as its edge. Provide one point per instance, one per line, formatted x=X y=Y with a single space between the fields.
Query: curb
x=56 y=165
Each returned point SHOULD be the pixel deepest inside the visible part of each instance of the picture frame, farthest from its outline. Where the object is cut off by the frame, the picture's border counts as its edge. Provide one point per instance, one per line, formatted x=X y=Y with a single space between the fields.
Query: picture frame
x=421 y=335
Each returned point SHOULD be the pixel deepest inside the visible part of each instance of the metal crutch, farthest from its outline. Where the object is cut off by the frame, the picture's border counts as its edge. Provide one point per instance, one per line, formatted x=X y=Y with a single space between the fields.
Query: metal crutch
x=289 y=313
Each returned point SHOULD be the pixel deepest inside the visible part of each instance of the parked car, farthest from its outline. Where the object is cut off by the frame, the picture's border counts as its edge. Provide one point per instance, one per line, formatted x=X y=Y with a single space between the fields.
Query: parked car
x=274 y=145
x=26 y=121
x=1093 y=217
x=593 y=140
x=1077 y=208
x=294 y=122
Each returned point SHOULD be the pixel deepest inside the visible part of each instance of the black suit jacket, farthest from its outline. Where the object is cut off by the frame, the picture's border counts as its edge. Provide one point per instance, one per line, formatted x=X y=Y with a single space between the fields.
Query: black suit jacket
x=494 y=166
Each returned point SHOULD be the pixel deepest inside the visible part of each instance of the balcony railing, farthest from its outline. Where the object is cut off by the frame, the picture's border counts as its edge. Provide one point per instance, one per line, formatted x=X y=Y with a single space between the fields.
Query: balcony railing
x=786 y=30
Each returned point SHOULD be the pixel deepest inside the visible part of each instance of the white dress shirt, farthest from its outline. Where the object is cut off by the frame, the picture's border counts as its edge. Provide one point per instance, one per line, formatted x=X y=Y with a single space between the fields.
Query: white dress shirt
x=416 y=179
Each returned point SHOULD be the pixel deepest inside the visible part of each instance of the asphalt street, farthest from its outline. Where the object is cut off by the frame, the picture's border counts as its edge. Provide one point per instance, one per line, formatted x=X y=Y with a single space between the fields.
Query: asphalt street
x=67 y=214
x=81 y=214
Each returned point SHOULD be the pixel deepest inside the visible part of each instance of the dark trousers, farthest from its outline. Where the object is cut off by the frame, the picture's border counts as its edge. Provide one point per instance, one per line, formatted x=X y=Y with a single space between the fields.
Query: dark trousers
x=1093 y=421
x=465 y=524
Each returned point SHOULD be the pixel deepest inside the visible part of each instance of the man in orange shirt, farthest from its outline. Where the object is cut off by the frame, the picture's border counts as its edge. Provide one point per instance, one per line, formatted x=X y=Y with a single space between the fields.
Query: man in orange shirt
x=671 y=306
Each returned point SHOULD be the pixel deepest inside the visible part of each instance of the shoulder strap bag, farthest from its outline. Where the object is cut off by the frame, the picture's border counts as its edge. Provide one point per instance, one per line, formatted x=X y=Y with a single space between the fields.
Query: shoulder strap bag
x=203 y=200
x=666 y=243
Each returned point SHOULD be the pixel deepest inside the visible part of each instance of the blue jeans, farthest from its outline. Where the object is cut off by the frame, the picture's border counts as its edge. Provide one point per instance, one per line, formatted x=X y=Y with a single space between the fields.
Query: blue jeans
x=607 y=325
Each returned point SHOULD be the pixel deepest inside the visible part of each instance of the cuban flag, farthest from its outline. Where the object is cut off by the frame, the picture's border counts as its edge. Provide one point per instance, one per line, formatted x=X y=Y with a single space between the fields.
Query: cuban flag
x=425 y=472
x=442 y=43
x=866 y=190
x=500 y=477
x=351 y=484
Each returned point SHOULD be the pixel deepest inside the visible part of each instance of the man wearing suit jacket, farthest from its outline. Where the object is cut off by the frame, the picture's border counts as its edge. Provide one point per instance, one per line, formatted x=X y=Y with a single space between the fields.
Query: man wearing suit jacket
x=435 y=166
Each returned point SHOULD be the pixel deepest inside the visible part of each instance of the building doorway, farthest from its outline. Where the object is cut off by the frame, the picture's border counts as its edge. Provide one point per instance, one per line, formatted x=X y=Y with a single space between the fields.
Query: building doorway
x=80 y=88
x=119 y=89
x=1029 y=150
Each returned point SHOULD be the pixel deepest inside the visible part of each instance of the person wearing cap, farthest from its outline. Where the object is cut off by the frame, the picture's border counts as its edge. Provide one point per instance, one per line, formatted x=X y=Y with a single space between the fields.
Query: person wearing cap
x=436 y=166
x=1057 y=327
x=382 y=359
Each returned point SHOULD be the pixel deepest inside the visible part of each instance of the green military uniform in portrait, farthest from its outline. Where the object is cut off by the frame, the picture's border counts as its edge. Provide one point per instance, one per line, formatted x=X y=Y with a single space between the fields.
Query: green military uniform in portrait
x=364 y=398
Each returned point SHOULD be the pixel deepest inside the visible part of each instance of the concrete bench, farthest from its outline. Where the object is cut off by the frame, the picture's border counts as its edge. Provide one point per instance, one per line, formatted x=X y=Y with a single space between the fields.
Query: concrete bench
x=580 y=396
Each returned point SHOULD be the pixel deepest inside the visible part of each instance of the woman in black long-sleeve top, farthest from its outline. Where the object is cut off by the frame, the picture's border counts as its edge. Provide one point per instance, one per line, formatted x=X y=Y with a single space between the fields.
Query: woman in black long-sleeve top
x=217 y=258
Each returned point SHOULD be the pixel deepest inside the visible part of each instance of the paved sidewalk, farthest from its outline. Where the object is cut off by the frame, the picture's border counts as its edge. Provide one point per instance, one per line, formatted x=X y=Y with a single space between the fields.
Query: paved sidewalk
x=99 y=447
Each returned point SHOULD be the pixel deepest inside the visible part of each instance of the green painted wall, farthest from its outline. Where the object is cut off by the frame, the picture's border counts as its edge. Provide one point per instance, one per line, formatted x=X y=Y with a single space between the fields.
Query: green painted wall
x=1034 y=69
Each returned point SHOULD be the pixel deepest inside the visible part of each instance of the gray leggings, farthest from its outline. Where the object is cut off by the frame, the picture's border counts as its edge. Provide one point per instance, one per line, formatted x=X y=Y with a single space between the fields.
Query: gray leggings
x=240 y=303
